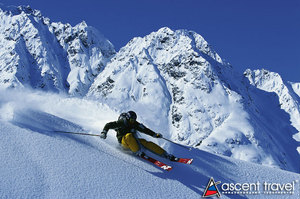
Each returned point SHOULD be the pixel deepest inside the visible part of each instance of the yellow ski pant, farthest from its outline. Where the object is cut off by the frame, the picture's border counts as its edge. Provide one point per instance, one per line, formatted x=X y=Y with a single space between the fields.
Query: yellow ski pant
x=130 y=142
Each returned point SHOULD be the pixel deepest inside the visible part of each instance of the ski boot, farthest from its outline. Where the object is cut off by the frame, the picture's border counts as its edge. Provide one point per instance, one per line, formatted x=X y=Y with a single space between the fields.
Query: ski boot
x=139 y=153
x=171 y=157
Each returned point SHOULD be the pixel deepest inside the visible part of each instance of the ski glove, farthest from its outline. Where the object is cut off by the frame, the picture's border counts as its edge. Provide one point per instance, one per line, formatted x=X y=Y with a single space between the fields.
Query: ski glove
x=103 y=135
x=158 y=135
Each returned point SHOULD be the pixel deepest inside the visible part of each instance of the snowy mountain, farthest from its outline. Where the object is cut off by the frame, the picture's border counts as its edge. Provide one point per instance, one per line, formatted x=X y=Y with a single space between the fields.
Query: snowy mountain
x=38 y=53
x=178 y=85
x=174 y=80
x=181 y=87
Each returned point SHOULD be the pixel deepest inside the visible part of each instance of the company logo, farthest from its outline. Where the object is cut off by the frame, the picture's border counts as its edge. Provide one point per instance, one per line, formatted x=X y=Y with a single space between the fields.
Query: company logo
x=245 y=188
x=212 y=189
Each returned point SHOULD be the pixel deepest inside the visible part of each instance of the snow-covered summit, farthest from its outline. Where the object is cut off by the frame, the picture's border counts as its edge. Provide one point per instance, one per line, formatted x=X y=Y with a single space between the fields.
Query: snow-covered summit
x=159 y=67
x=17 y=10
x=177 y=41
x=40 y=54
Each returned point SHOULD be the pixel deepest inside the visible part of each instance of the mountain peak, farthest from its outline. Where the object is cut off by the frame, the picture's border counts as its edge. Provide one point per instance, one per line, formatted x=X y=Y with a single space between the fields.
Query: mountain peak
x=17 y=10
x=82 y=25
x=173 y=43
x=165 y=30
x=260 y=77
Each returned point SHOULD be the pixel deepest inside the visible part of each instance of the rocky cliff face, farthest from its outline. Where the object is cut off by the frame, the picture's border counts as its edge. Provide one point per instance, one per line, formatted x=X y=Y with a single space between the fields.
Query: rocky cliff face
x=52 y=56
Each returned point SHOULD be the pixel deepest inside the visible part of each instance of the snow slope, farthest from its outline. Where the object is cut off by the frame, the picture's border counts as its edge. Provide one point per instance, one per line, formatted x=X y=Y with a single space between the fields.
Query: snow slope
x=39 y=163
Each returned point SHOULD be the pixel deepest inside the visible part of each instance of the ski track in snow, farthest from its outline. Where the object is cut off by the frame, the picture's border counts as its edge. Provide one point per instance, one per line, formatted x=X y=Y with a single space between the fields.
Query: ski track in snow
x=36 y=162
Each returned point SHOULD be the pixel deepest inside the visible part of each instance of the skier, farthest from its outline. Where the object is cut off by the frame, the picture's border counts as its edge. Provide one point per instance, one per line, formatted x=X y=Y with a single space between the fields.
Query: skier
x=126 y=127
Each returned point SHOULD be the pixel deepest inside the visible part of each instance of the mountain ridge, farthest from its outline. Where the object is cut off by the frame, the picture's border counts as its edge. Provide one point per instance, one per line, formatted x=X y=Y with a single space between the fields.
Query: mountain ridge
x=63 y=58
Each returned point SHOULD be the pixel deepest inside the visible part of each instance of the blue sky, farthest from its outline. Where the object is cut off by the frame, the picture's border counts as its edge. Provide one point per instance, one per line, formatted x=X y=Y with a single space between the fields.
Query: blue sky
x=248 y=34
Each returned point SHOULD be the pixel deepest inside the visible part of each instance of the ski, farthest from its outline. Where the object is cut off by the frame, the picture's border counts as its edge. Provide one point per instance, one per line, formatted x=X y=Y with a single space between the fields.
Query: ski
x=156 y=162
x=185 y=160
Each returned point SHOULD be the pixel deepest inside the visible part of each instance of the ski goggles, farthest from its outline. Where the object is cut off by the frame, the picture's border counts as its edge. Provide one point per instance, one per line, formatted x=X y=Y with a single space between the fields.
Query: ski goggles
x=131 y=120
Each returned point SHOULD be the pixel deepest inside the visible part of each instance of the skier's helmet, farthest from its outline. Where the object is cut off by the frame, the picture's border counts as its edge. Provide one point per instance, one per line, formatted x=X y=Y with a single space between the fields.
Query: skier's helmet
x=132 y=116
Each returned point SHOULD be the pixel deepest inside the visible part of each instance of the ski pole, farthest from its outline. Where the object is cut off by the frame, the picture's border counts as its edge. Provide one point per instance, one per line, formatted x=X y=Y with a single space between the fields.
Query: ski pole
x=189 y=148
x=76 y=133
